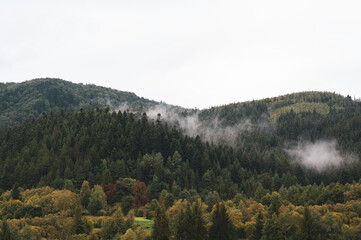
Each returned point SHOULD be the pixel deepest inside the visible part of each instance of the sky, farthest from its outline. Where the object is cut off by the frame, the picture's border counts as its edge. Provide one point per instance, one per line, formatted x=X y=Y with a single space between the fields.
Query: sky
x=188 y=53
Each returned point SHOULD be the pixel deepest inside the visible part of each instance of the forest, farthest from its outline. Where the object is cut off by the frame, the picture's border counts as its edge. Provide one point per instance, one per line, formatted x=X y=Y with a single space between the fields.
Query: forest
x=97 y=173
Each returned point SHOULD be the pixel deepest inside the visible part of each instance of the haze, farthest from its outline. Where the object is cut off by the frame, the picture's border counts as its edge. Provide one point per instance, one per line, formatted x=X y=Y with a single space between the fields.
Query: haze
x=188 y=53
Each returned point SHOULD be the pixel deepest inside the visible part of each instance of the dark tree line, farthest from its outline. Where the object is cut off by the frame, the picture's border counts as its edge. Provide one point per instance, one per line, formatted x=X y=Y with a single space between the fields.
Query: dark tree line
x=101 y=147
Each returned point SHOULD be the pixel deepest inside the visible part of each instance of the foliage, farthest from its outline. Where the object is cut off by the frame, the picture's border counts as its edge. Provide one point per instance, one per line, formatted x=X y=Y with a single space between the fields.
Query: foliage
x=140 y=194
x=182 y=182
x=97 y=200
x=222 y=227
x=161 y=229
x=27 y=100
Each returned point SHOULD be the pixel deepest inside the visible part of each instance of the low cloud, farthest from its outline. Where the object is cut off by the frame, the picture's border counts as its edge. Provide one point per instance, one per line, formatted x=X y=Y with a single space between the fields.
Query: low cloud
x=320 y=155
x=122 y=107
x=212 y=131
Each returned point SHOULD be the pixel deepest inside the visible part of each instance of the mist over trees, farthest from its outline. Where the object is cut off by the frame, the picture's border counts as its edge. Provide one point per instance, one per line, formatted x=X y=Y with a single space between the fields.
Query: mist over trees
x=102 y=174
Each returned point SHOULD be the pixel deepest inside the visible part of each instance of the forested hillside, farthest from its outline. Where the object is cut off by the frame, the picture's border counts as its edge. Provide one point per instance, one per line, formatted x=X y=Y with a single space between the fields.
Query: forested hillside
x=284 y=168
x=27 y=100
x=89 y=145
x=92 y=167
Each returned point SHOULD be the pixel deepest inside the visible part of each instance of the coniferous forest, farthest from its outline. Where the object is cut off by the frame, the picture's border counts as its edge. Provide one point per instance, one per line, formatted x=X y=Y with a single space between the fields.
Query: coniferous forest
x=73 y=166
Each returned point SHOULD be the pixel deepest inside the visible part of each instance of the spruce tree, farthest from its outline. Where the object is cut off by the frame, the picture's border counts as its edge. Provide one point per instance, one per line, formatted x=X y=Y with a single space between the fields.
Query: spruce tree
x=309 y=230
x=257 y=234
x=199 y=225
x=222 y=228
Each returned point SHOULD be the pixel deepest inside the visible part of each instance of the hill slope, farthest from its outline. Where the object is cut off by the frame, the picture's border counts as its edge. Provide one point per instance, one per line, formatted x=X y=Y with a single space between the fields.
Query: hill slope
x=272 y=108
x=27 y=100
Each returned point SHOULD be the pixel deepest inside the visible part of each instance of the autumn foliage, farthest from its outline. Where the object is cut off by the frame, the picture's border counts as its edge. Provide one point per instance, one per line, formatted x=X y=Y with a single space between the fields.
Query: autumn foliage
x=140 y=194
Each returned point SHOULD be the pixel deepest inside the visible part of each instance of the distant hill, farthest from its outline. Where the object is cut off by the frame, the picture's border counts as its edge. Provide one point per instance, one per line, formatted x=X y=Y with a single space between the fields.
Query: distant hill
x=272 y=108
x=270 y=158
x=30 y=99
x=27 y=100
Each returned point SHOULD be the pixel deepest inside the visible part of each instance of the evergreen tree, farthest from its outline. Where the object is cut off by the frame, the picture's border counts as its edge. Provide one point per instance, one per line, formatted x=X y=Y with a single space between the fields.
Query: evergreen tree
x=257 y=234
x=271 y=229
x=309 y=231
x=5 y=233
x=78 y=221
x=15 y=192
x=222 y=228
x=199 y=225
x=276 y=203
x=85 y=193
x=161 y=229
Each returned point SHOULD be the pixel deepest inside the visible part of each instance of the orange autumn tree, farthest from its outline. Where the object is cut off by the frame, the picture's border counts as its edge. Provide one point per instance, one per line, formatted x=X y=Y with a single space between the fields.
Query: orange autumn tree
x=140 y=194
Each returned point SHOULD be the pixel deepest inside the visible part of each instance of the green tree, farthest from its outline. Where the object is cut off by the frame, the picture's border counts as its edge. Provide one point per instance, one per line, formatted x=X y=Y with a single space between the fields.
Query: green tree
x=309 y=231
x=212 y=199
x=15 y=192
x=68 y=184
x=5 y=232
x=97 y=200
x=199 y=225
x=79 y=222
x=271 y=229
x=114 y=226
x=85 y=193
x=106 y=177
x=276 y=203
x=257 y=234
x=161 y=225
x=222 y=228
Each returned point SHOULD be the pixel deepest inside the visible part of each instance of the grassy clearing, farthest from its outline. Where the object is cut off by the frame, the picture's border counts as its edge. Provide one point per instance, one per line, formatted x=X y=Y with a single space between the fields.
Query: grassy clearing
x=321 y=108
x=146 y=224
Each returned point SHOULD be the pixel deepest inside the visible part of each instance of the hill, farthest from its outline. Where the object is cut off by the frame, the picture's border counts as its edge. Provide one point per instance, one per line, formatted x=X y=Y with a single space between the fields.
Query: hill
x=28 y=100
x=266 y=166
x=272 y=108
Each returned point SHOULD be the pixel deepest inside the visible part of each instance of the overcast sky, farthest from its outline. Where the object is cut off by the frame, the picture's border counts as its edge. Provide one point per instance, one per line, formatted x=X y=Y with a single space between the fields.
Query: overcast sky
x=188 y=53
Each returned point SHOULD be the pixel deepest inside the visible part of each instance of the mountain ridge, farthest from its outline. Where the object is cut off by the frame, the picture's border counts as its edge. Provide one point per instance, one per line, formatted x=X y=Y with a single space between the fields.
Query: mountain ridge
x=30 y=99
